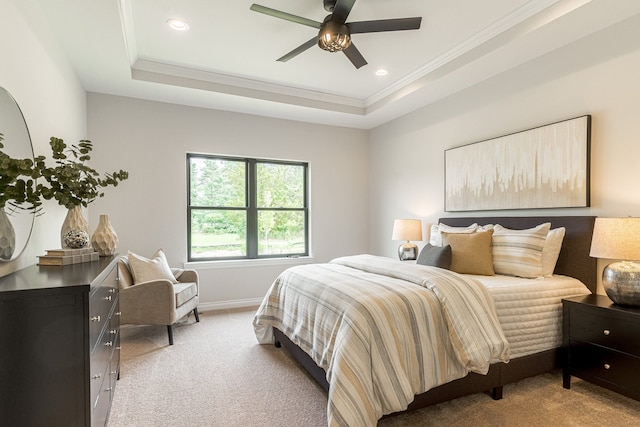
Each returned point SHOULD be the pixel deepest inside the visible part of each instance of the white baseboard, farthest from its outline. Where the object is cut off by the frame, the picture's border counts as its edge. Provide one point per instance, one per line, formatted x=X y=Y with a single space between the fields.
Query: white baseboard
x=225 y=305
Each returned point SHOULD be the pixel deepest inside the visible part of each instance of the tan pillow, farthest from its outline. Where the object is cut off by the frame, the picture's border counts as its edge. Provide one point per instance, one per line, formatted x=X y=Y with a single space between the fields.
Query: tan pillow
x=470 y=253
x=145 y=270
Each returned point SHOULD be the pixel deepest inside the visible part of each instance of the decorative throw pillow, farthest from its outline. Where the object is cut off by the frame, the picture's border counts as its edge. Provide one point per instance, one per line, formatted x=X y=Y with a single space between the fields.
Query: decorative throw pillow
x=519 y=252
x=435 y=237
x=470 y=253
x=436 y=256
x=145 y=270
x=551 y=250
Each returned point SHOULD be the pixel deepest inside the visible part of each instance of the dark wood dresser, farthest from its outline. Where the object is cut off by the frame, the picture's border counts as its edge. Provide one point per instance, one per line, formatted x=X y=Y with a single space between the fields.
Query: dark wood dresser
x=59 y=344
x=602 y=340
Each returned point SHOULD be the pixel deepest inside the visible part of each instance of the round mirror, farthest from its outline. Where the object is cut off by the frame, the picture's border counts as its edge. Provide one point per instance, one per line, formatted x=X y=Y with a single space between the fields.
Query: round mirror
x=17 y=144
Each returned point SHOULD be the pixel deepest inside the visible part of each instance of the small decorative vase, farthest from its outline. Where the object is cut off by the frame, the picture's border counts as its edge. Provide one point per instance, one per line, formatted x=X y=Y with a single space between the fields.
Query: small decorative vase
x=73 y=221
x=104 y=239
x=7 y=237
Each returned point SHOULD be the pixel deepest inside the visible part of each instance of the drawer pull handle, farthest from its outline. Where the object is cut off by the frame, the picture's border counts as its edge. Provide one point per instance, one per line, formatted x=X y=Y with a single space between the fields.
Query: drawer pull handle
x=118 y=313
x=118 y=348
x=107 y=298
x=108 y=343
x=112 y=291
x=607 y=366
x=95 y=319
x=606 y=332
x=113 y=331
x=96 y=377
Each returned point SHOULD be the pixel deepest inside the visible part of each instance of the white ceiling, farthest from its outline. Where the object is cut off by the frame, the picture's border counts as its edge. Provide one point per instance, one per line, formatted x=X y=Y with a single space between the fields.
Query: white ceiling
x=227 y=60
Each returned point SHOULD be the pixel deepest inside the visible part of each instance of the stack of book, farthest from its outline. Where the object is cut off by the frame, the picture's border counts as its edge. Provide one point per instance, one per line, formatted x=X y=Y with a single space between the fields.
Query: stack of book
x=68 y=256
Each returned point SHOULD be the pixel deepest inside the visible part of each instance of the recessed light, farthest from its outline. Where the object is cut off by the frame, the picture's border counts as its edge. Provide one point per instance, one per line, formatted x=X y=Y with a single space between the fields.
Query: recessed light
x=178 y=25
x=381 y=72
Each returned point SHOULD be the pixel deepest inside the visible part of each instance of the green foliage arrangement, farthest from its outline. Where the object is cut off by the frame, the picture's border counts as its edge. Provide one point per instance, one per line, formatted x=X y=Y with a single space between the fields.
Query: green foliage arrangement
x=71 y=181
x=18 y=189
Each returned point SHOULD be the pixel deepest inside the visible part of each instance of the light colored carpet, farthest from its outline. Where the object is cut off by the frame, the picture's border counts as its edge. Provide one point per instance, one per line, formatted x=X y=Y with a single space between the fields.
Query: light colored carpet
x=217 y=374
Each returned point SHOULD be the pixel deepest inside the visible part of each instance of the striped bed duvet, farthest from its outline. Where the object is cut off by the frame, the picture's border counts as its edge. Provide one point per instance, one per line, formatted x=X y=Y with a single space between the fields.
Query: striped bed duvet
x=383 y=330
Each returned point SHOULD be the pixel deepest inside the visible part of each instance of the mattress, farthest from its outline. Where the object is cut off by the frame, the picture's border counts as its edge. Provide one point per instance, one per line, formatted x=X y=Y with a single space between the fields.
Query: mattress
x=530 y=310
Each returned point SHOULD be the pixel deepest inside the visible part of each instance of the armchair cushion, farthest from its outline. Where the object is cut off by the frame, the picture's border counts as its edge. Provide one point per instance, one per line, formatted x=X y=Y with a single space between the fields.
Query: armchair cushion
x=145 y=270
x=184 y=292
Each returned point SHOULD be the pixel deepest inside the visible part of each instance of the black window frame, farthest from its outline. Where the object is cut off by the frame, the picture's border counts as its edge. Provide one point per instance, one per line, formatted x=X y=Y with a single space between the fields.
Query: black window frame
x=251 y=208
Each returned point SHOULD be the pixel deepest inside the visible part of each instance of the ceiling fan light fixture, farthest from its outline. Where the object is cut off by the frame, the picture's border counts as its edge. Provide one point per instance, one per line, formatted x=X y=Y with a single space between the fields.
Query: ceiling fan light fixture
x=334 y=37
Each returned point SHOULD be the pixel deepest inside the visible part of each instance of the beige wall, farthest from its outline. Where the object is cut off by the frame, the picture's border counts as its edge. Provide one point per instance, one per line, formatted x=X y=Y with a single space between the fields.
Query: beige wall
x=360 y=180
x=597 y=76
x=51 y=98
x=148 y=211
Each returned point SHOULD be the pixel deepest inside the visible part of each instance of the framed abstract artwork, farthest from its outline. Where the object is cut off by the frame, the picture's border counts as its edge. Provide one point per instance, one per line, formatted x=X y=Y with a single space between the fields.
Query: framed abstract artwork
x=544 y=167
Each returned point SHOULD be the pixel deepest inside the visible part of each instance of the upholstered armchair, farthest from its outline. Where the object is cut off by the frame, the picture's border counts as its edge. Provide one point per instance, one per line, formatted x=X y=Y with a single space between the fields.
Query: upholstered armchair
x=157 y=301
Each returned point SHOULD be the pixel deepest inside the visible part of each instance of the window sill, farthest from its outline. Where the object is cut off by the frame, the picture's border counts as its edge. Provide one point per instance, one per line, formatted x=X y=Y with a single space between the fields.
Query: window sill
x=243 y=263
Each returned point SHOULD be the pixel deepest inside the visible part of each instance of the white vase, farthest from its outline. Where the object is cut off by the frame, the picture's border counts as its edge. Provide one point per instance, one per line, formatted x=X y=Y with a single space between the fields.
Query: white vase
x=73 y=221
x=104 y=239
x=7 y=237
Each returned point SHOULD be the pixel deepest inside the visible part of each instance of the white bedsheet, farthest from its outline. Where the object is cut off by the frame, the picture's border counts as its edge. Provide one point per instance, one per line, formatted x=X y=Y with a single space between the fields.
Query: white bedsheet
x=530 y=310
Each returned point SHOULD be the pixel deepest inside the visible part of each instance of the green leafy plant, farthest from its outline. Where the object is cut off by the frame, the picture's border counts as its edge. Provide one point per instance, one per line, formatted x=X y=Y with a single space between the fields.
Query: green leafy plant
x=71 y=181
x=18 y=189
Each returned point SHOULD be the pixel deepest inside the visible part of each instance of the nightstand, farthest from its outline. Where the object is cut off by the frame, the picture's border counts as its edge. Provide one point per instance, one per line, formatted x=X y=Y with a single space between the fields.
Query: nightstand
x=602 y=343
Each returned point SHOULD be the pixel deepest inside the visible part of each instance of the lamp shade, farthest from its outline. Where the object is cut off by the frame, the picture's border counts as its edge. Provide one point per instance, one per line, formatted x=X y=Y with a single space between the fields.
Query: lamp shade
x=407 y=229
x=616 y=238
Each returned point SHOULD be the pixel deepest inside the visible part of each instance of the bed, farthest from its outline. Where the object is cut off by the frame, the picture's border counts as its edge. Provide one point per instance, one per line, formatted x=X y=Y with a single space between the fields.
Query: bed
x=455 y=380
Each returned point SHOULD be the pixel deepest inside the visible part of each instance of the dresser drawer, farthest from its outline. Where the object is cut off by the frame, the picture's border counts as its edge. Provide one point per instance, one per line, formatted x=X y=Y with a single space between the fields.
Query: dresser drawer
x=113 y=328
x=103 y=351
x=101 y=302
x=99 y=365
x=101 y=404
x=592 y=362
x=602 y=327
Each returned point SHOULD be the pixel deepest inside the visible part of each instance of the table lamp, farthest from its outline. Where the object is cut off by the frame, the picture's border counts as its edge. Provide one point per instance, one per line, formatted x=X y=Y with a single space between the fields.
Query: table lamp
x=619 y=238
x=407 y=229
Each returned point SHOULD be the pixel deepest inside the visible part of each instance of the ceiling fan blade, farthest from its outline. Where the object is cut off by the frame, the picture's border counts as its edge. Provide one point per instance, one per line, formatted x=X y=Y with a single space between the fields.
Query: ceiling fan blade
x=384 y=25
x=341 y=10
x=355 y=56
x=286 y=16
x=297 y=51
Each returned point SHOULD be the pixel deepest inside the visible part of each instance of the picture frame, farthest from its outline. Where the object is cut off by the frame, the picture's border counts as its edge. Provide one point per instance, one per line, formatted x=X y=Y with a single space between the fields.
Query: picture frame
x=544 y=167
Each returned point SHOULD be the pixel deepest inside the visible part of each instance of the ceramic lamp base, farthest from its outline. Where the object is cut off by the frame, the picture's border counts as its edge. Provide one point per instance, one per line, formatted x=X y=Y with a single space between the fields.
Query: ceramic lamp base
x=407 y=252
x=621 y=282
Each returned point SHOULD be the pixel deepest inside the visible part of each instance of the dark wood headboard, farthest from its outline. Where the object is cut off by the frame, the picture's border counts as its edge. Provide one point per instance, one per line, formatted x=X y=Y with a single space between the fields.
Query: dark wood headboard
x=574 y=259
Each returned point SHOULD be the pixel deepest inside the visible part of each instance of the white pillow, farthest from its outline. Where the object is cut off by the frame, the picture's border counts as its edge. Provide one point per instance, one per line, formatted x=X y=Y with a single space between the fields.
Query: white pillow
x=519 y=252
x=551 y=250
x=435 y=238
x=145 y=270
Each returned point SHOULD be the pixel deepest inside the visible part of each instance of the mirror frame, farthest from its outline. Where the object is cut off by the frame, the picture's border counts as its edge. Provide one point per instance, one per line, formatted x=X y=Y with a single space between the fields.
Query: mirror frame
x=17 y=144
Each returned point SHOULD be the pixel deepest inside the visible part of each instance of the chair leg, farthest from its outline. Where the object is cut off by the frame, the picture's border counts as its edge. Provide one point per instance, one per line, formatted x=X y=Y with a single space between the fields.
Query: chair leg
x=195 y=313
x=170 y=332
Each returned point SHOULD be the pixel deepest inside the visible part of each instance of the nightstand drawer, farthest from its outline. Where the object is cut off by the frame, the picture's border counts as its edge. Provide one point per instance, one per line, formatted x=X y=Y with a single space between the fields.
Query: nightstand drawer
x=602 y=327
x=592 y=362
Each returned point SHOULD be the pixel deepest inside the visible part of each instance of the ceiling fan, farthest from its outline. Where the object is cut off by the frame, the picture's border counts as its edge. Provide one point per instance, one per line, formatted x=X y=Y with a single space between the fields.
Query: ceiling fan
x=335 y=32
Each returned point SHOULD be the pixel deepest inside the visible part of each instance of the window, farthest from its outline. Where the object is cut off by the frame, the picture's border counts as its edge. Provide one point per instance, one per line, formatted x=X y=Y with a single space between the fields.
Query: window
x=246 y=208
